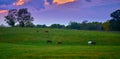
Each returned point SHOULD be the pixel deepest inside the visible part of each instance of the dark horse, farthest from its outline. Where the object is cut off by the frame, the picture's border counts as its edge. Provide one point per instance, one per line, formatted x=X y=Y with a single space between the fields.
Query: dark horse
x=59 y=42
x=93 y=43
x=46 y=31
x=49 y=41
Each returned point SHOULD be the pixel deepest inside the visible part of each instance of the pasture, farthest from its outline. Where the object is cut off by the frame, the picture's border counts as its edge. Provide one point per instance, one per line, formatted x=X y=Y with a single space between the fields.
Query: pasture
x=30 y=43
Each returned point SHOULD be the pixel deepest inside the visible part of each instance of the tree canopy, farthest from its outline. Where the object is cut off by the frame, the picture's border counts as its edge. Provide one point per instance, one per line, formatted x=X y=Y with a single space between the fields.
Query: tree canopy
x=22 y=16
x=115 y=21
x=11 y=17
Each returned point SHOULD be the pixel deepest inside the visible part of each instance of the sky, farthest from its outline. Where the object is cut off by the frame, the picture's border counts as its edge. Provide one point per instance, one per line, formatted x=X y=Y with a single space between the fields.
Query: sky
x=62 y=11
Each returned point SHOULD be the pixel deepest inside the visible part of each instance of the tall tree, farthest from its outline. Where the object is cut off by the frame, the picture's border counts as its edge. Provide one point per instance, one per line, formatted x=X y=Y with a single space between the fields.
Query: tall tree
x=115 y=21
x=24 y=17
x=11 y=17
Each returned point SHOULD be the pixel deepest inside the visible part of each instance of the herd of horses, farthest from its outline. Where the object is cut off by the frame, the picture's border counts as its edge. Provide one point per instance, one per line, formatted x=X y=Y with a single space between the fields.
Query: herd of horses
x=50 y=41
x=60 y=42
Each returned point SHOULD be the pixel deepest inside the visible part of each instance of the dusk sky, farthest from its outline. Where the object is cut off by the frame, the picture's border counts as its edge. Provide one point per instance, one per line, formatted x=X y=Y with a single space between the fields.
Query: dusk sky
x=62 y=11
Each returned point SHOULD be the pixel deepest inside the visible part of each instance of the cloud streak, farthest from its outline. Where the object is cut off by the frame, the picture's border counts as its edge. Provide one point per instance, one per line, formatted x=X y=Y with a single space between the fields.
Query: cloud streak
x=20 y=2
x=38 y=4
x=62 y=1
x=3 y=11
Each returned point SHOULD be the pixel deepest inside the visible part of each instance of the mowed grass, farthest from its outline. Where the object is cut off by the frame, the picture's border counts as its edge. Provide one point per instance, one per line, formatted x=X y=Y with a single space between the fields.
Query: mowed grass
x=26 y=43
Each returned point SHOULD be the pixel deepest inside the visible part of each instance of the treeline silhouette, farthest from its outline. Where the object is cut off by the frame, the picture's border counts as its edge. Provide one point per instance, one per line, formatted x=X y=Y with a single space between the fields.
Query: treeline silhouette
x=75 y=25
x=24 y=19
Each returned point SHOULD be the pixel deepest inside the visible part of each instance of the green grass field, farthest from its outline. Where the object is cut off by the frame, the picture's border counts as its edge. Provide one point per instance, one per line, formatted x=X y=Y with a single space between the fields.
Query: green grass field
x=26 y=43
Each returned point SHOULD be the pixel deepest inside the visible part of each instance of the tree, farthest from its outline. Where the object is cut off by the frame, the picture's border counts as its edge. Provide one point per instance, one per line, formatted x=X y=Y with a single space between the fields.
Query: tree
x=115 y=21
x=57 y=26
x=94 y=26
x=44 y=26
x=73 y=25
x=91 y=25
x=11 y=17
x=29 y=24
x=105 y=26
x=41 y=26
x=24 y=17
x=84 y=25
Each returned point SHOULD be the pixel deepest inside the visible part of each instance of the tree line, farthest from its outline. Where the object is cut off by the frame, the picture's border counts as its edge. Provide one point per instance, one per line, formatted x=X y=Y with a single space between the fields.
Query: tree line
x=23 y=18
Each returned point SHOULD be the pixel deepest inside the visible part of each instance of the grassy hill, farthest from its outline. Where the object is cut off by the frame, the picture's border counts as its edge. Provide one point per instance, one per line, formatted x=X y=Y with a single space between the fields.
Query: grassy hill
x=27 y=43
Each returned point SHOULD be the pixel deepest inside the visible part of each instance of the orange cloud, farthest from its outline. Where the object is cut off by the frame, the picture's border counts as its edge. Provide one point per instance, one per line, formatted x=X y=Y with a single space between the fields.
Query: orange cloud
x=62 y=1
x=20 y=2
x=3 y=11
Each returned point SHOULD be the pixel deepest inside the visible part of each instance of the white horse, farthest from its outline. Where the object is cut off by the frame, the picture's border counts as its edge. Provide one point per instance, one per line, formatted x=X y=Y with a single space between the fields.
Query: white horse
x=91 y=43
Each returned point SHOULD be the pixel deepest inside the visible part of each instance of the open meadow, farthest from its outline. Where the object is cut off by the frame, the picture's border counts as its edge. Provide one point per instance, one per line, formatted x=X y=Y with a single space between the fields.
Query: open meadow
x=31 y=43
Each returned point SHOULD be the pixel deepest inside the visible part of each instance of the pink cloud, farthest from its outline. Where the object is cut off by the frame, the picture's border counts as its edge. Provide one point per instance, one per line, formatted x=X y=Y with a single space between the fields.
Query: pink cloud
x=3 y=11
x=20 y=2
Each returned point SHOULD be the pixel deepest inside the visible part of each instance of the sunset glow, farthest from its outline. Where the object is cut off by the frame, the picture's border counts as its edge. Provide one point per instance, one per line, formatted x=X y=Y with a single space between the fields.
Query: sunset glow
x=63 y=1
x=3 y=11
x=19 y=2
x=62 y=11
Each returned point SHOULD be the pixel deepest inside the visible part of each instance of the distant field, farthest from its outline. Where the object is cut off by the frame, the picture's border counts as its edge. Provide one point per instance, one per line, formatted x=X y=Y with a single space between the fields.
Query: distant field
x=26 y=43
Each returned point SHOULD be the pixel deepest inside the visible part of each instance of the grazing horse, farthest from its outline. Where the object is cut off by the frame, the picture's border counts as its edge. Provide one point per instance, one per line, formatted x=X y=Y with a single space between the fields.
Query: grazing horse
x=46 y=31
x=49 y=41
x=59 y=42
x=91 y=42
